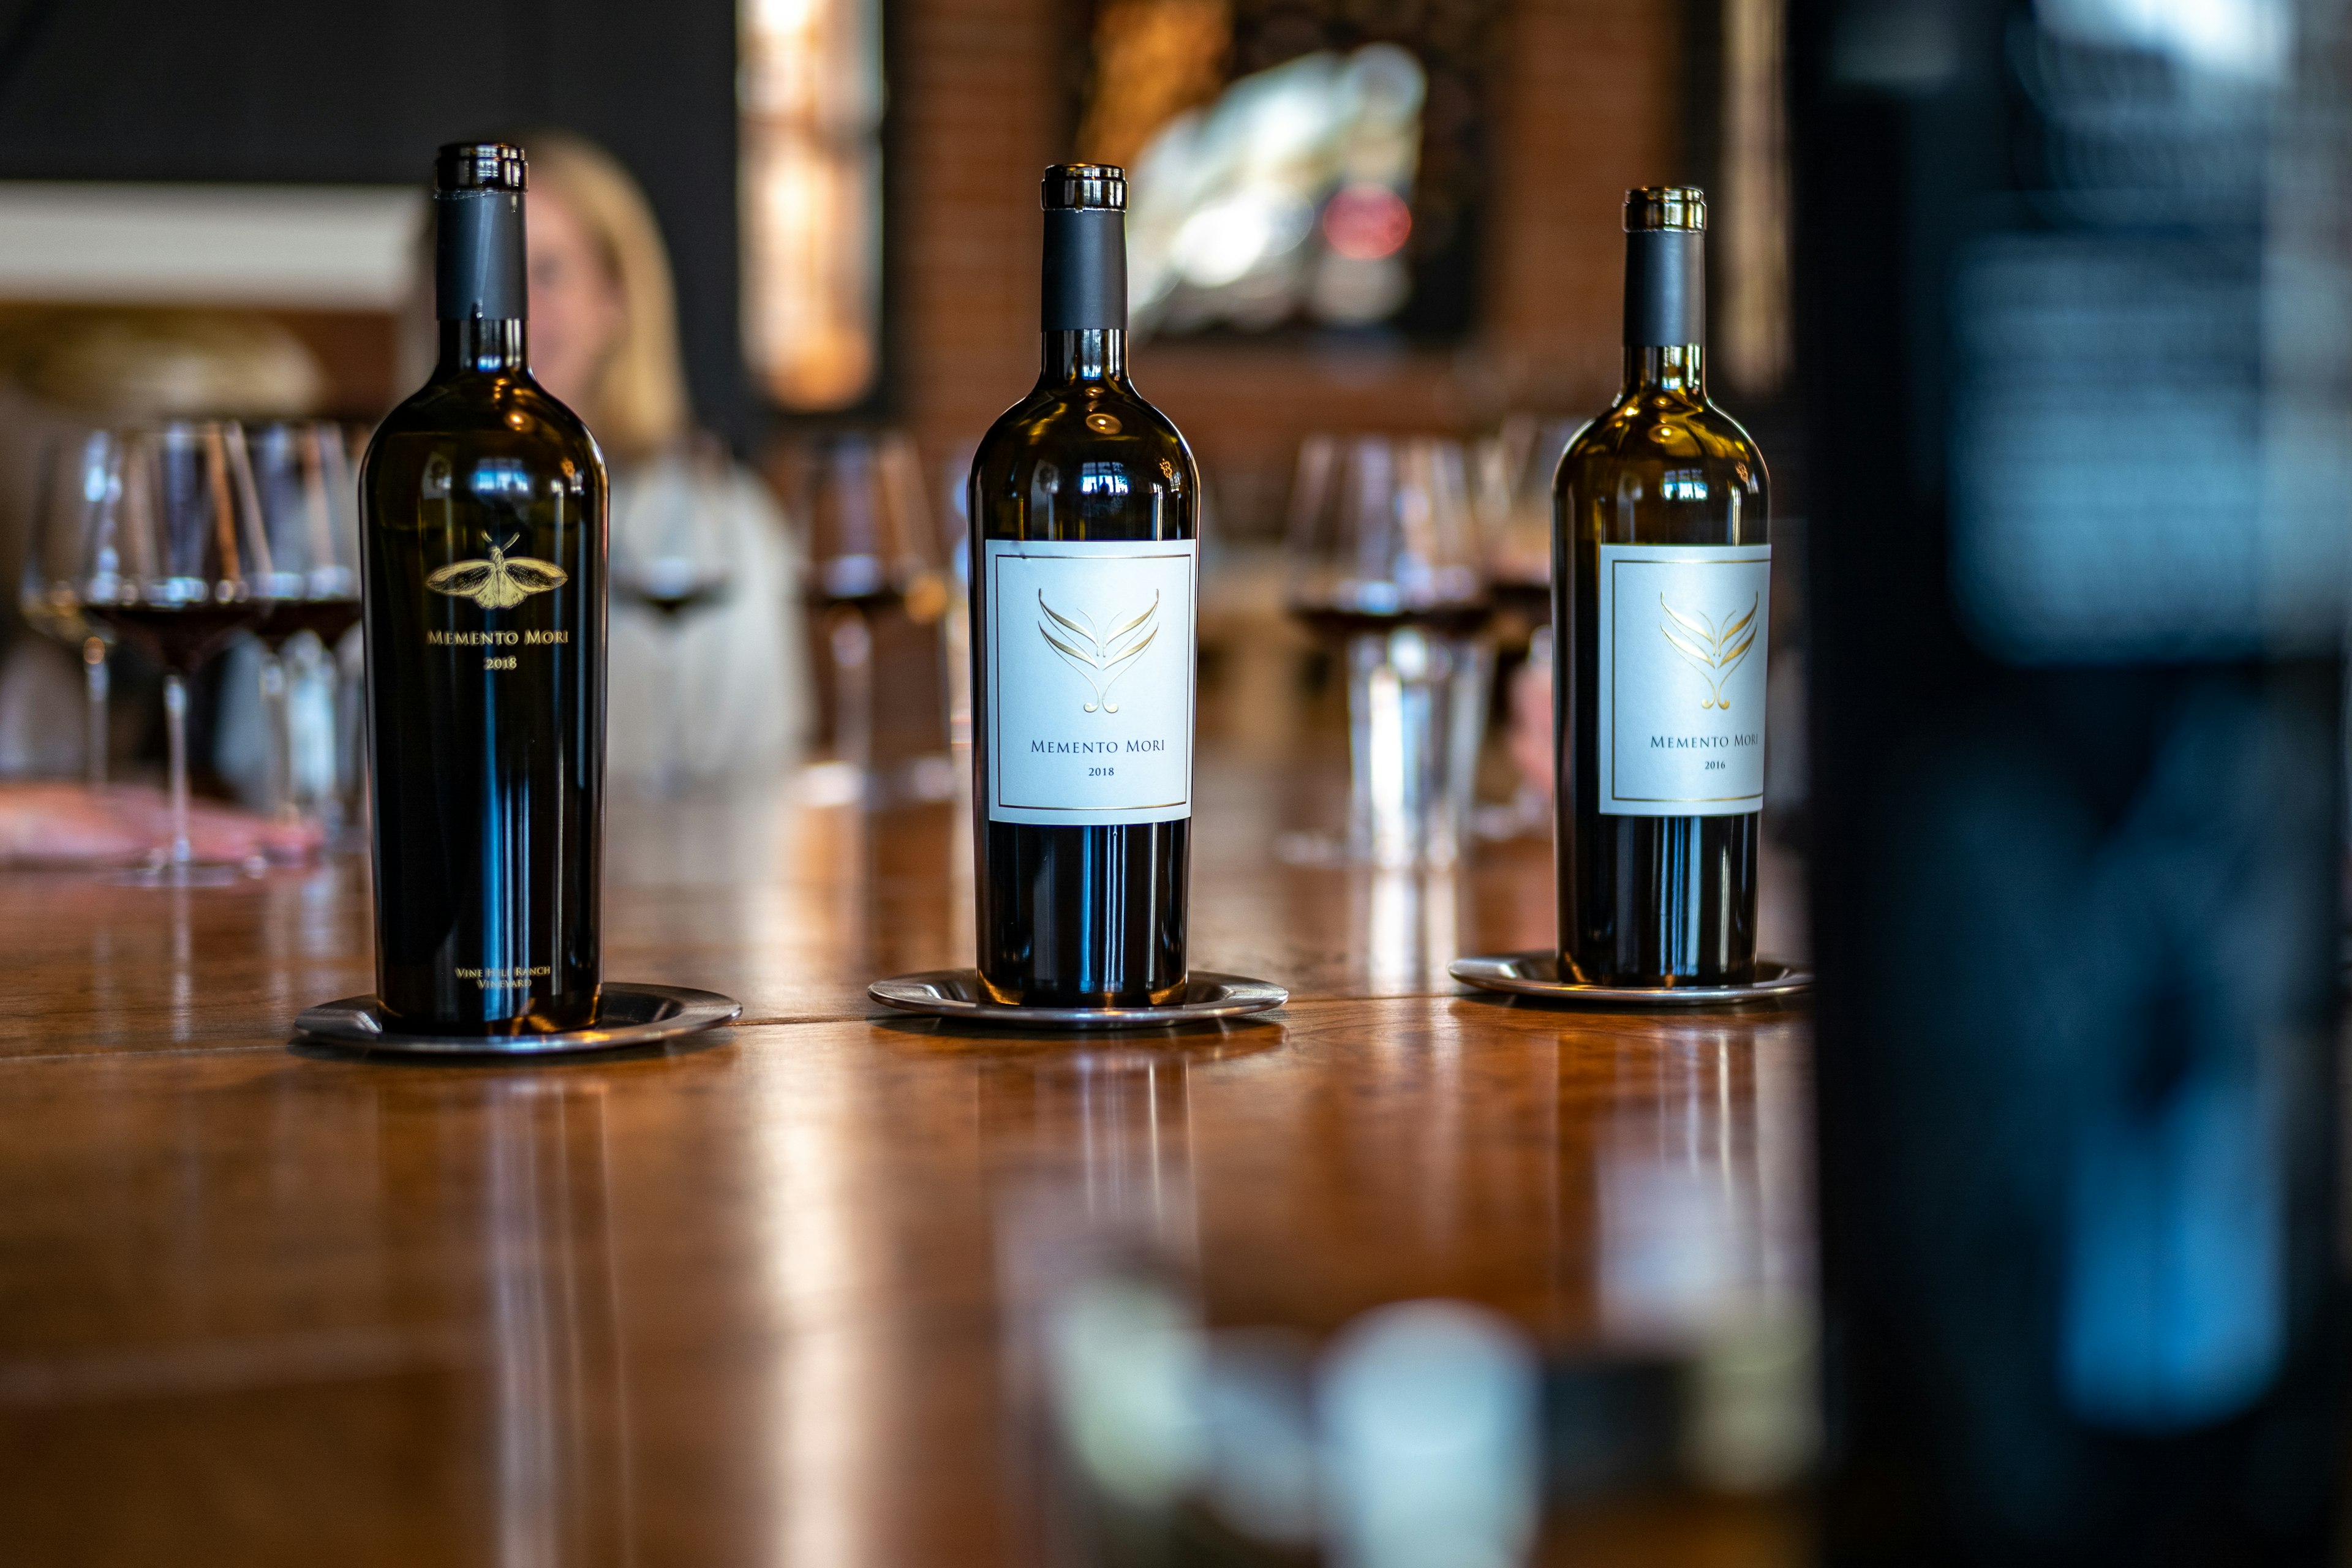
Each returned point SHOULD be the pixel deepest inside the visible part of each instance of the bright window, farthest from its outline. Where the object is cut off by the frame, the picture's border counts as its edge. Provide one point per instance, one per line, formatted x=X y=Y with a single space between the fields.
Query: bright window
x=812 y=102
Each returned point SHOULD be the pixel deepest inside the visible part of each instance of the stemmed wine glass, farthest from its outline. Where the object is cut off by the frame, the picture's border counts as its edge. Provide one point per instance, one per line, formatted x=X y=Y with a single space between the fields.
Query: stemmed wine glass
x=77 y=477
x=956 y=625
x=1513 y=484
x=177 y=563
x=672 y=551
x=874 y=559
x=301 y=478
x=1384 y=561
x=1514 y=468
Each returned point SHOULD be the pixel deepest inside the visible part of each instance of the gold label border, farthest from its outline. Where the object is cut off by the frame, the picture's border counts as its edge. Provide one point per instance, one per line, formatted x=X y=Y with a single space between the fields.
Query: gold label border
x=1610 y=796
x=1191 y=681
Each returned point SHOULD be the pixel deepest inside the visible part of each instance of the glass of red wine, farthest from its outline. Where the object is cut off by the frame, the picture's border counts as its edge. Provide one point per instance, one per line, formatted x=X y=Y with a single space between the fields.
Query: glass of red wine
x=177 y=562
x=1512 y=481
x=879 y=588
x=1385 y=565
x=308 y=505
x=79 y=476
x=1513 y=489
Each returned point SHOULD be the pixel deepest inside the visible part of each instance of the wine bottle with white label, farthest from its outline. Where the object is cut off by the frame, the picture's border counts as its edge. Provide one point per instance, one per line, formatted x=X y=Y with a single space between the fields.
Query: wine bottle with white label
x=1085 y=566
x=482 y=505
x=1660 y=578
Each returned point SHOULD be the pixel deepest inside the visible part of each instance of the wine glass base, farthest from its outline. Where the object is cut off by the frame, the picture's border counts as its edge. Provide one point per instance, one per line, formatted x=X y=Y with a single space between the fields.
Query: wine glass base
x=1336 y=850
x=183 y=875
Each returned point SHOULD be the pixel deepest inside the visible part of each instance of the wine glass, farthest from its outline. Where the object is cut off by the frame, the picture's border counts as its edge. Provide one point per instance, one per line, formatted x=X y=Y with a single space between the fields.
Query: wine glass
x=177 y=563
x=672 y=553
x=1384 y=561
x=955 y=538
x=77 y=477
x=1514 y=475
x=878 y=581
x=1513 y=486
x=300 y=474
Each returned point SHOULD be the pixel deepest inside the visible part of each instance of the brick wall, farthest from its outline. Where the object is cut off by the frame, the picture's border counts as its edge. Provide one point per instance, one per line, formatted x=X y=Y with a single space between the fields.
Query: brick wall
x=1584 y=107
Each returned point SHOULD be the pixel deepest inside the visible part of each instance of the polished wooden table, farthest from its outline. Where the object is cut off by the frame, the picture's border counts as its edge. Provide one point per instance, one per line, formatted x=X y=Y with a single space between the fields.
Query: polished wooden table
x=742 y=1300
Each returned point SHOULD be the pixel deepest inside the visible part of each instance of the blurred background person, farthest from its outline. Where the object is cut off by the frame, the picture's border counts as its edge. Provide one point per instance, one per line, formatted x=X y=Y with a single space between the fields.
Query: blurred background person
x=707 y=677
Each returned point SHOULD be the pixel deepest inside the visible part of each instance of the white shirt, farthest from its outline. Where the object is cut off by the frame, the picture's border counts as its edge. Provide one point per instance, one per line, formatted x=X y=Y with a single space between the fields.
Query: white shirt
x=719 y=691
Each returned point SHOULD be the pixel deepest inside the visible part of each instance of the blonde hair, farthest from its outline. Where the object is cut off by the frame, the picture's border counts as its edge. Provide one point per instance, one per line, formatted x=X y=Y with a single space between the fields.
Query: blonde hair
x=637 y=405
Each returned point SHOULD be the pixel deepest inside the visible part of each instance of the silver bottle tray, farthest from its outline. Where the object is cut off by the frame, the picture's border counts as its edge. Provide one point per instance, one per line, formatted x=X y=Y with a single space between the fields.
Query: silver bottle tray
x=1538 y=973
x=957 y=994
x=626 y=1015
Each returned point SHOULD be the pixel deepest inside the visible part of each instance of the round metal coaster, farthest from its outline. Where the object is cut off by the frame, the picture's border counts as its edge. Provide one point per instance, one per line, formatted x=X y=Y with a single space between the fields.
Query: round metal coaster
x=626 y=1015
x=1538 y=973
x=957 y=994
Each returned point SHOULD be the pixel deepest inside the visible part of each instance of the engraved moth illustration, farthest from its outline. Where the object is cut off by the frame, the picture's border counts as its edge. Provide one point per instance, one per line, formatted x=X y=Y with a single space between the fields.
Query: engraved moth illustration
x=1100 y=657
x=1715 y=651
x=499 y=582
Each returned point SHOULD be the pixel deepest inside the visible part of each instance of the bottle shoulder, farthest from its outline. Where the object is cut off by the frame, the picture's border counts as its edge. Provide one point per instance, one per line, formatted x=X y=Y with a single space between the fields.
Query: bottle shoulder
x=1665 y=468
x=1667 y=428
x=503 y=416
x=1106 y=421
x=1091 y=450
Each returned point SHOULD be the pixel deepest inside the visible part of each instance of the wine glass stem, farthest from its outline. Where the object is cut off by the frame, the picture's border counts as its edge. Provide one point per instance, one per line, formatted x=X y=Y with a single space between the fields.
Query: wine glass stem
x=853 y=660
x=94 y=684
x=350 y=728
x=277 y=714
x=175 y=729
x=671 y=775
x=1379 y=756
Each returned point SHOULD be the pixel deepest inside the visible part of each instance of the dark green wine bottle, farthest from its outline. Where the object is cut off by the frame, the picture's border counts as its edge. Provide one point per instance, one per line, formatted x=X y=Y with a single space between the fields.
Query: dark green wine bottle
x=1085 y=569
x=1662 y=563
x=483 y=514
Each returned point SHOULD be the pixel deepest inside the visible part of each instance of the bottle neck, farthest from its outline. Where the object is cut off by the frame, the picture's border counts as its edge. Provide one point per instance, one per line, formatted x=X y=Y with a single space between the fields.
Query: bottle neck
x=1085 y=297
x=1097 y=354
x=481 y=290
x=1665 y=311
x=1681 y=370
x=484 y=347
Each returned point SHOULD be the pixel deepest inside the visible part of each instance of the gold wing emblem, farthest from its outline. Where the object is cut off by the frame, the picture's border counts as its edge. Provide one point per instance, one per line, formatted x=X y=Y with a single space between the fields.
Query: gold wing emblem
x=1101 y=657
x=1714 y=651
x=501 y=583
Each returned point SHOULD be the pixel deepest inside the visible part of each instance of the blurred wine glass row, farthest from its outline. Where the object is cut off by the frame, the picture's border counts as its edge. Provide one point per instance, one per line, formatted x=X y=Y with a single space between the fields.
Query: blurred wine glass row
x=175 y=539
x=1413 y=558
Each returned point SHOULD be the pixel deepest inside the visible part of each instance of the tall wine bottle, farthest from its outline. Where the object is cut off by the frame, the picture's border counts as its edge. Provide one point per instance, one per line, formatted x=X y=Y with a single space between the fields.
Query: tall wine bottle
x=1085 y=565
x=1661 y=584
x=483 y=516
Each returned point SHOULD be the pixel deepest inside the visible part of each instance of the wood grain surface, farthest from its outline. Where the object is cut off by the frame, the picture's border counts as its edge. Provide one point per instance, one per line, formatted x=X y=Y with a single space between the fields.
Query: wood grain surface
x=744 y=1299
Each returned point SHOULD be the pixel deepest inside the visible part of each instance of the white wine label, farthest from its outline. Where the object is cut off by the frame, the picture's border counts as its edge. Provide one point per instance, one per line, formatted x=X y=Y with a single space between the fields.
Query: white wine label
x=1089 y=704
x=1681 y=689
